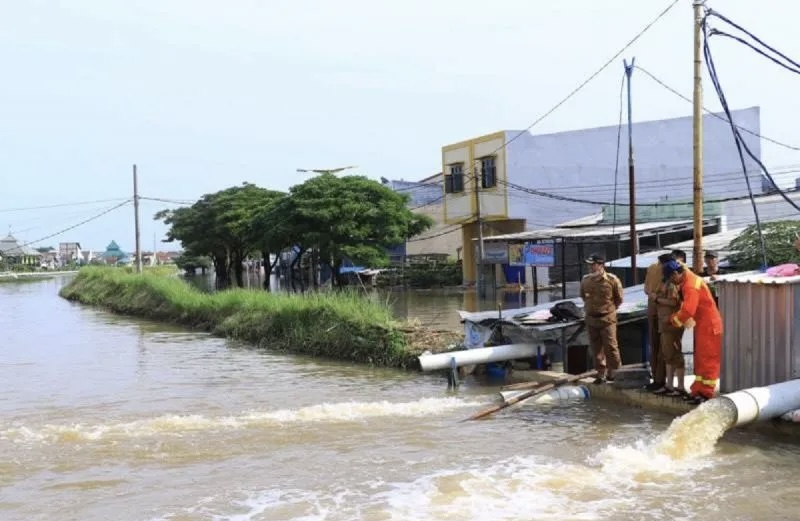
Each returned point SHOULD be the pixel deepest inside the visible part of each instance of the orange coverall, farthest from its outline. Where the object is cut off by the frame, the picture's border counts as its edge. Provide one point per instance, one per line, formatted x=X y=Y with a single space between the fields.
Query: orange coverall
x=699 y=306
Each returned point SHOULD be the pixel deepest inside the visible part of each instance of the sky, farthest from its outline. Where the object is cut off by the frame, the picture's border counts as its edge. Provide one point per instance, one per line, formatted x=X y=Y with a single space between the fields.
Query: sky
x=202 y=95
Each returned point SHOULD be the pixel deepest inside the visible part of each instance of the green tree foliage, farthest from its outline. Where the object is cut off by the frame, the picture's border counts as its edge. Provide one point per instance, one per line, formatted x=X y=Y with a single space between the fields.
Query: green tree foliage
x=336 y=218
x=779 y=239
x=191 y=263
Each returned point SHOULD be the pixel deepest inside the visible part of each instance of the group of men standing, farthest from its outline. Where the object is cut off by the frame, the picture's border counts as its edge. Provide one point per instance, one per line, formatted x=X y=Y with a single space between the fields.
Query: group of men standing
x=678 y=299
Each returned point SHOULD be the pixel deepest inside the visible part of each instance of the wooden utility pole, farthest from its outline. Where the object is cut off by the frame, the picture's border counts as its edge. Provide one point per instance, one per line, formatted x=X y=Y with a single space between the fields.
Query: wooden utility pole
x=631 y=178
x=136 y=220
x=479 y=278
x=697 y=141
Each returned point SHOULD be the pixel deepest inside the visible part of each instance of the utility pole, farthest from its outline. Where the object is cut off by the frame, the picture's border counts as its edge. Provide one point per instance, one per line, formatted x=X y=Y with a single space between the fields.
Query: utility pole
x=697 y=140
x=480 y=282
x=136 y=219
x=631 y=177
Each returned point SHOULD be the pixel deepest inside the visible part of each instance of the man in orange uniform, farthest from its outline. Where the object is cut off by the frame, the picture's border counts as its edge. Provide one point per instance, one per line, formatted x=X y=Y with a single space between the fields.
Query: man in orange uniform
x=699 y=310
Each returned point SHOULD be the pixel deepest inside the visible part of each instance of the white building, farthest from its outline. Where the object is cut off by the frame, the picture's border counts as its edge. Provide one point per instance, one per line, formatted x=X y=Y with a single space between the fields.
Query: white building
x=526 y=181
x=70 y=252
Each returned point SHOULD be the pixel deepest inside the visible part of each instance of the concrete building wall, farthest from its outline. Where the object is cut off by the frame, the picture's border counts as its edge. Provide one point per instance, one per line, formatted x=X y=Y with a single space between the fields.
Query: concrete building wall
x=444 y=238
x=581 y=164
x=462 y=206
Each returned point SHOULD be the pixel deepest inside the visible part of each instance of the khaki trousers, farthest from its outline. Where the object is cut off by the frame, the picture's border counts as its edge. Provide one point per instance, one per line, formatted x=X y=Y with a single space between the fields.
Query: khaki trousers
x=657 y=364
x=603 y=342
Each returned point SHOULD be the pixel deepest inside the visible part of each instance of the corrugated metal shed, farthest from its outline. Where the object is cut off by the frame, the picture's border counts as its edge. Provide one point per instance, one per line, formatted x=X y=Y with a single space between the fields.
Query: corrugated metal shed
x=761 y=330
x=719 y=242
x=598 y=233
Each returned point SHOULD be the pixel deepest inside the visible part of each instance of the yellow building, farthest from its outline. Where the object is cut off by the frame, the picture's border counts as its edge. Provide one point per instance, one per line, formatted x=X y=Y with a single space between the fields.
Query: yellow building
x=475 y=176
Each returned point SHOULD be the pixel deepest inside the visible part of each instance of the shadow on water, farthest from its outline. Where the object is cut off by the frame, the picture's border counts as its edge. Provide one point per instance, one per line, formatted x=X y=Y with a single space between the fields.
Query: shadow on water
x=431 y=307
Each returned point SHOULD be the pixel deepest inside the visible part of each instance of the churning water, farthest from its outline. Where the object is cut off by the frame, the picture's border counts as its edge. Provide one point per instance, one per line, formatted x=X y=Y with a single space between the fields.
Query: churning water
x=108 y=418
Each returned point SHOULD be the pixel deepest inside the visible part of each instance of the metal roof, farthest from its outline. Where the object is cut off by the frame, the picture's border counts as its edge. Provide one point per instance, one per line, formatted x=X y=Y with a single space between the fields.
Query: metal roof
x=718 y=242
x=757 y=277
x=589 y=220
x=598 y=233
x=10 y=247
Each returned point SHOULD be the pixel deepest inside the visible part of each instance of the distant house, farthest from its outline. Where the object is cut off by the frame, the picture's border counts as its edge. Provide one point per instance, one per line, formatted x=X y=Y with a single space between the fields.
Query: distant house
x=70 y=252
x=114 y=255
x=13 y=252
x=51 y=258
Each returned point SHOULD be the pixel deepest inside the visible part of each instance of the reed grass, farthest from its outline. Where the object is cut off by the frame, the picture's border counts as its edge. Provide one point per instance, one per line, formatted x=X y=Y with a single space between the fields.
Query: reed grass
x=339 y=325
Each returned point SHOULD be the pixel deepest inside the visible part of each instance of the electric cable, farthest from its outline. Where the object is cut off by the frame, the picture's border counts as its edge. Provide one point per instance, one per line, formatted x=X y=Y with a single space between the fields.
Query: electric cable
x=85 y=221
x=714 y=114
x=715 y=81
x=62 y=205
x=616 y=154
x=715 y=14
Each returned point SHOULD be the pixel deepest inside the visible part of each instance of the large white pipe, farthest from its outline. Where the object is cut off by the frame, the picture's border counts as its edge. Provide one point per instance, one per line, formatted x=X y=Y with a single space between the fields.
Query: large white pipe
x=563 y=393
x=481 y=355
x=764 y=403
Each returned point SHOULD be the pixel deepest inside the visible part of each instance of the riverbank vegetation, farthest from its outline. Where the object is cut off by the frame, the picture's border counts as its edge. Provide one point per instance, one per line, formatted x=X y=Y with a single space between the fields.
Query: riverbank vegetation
x=324 y=222
x=779 y=245
x=418 y=276
x=341 y=325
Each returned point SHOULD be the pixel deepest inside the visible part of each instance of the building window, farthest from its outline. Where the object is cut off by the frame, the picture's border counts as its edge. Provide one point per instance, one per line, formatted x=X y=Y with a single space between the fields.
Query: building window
x=488 y=172
x=454 y=181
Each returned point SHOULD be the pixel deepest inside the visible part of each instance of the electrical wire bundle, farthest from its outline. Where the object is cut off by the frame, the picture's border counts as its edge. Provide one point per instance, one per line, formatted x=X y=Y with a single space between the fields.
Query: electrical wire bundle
x=776 y=57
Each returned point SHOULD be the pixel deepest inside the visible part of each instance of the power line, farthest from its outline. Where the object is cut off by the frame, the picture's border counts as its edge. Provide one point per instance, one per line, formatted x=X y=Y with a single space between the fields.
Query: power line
x=740 y=143
x=60 y=205
x=590 y=78
x=607 y=203
x=619 y=140
x=85 y=221
x=715 y=114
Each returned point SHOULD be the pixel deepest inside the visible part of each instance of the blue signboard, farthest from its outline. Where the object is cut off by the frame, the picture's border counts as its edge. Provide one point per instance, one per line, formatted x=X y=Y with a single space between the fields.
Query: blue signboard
x=539 y=254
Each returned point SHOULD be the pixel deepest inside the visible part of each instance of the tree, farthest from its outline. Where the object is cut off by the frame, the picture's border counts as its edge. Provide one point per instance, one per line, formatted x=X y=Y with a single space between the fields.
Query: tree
x=351 y=217
x=189 y=263
x=221 y=226
x=192 y=227
x=270 y=231
x=779 y=239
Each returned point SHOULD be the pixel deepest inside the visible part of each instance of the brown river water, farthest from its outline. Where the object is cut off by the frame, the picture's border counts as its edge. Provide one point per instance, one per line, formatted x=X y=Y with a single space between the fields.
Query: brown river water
x=109 y=418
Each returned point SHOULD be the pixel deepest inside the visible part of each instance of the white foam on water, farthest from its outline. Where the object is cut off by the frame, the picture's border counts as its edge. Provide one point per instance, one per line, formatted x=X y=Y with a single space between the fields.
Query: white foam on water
x=682 y=447
x=511 y=489
x=178 y=425
x=609 y=484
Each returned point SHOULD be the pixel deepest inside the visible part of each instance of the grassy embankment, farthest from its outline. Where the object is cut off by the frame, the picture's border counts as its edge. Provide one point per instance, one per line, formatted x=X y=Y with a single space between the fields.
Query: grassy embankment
x=343 y=326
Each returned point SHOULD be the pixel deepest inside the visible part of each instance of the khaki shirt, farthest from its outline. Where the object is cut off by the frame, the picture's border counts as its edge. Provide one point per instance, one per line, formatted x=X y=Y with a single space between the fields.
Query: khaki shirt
x=652 y=282
x=668 y=290
x=602 y=295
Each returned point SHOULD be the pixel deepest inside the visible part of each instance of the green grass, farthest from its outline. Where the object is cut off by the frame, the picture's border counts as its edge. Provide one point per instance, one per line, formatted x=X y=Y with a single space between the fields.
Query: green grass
x=21 y=280
x=341 y=325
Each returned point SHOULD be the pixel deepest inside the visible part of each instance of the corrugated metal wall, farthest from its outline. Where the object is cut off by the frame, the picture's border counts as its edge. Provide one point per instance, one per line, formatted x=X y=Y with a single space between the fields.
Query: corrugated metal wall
x=761 y=335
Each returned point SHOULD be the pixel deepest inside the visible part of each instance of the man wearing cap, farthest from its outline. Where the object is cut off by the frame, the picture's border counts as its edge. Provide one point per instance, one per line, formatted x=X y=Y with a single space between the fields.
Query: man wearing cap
x=602 y=296
x=698 y=310
x=652 y=283
x=712 y=271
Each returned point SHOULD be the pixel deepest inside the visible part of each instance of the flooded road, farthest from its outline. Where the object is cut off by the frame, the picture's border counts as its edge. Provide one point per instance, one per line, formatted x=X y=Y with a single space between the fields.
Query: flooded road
x=108 y=418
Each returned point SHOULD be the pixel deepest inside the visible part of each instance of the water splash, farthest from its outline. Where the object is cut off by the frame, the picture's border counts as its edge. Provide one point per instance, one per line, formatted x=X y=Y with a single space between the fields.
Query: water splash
x=682 y=447
x=177 y=425
x=696 y=433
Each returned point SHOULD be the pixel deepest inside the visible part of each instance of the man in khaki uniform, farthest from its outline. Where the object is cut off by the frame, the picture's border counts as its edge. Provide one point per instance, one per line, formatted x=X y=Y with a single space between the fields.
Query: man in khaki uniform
x=652 y=284
x=602 y=296
x=668 y=302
